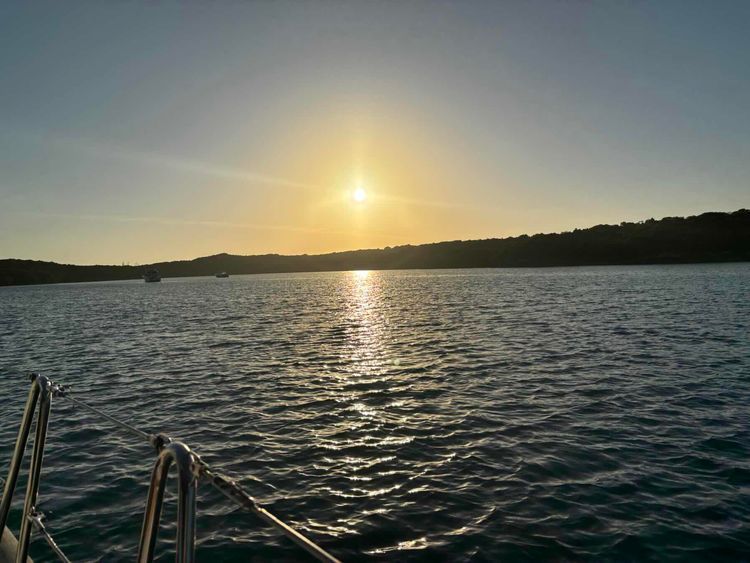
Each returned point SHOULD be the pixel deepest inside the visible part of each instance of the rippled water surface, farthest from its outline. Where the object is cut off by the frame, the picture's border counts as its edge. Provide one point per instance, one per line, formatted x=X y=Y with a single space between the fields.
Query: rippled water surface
x=464 y=415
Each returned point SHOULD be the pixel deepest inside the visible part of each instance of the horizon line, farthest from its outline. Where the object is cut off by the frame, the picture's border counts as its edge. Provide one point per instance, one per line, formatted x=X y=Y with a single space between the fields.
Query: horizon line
x=138 y=264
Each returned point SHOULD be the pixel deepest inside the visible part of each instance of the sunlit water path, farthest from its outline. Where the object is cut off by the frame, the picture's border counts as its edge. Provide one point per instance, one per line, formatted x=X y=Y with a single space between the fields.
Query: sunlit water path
x=466 y=415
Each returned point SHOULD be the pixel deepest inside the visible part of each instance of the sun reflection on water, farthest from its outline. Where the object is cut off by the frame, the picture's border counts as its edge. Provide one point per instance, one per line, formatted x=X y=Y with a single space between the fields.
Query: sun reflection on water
x=365 y=441
x=364 y=375
x=366 y=323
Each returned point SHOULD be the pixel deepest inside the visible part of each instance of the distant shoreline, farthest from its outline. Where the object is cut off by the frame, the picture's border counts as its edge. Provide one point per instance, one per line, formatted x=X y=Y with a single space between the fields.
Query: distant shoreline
x=114 y=280
x=703 y=239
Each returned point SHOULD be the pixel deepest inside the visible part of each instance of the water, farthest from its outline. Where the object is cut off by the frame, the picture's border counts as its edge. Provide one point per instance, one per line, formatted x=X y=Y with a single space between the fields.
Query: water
x=465 y=415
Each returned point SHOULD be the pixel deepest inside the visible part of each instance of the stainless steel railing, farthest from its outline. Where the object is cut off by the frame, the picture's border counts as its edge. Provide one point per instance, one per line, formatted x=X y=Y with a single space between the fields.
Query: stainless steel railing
x=41 y=393
x=187 y=486
x=190 y=470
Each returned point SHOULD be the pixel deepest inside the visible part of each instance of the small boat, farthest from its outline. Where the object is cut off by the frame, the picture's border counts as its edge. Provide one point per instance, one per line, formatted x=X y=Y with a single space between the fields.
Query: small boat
x=222 y=275
x=151 y=275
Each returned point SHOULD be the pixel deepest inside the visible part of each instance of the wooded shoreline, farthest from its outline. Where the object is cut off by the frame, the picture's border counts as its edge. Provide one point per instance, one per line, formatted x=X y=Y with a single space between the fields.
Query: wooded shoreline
x=709 y=237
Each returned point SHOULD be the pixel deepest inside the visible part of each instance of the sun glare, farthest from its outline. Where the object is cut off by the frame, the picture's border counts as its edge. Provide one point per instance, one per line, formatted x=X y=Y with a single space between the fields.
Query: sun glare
x=359 y=195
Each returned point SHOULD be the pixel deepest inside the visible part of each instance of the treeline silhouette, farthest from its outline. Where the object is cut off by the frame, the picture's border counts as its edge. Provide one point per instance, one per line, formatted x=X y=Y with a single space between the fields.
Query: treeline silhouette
x=710 y=237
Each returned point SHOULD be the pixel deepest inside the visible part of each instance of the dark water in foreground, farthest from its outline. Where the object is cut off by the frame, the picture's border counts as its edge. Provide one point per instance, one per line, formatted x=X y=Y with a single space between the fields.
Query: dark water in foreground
x=468 y=415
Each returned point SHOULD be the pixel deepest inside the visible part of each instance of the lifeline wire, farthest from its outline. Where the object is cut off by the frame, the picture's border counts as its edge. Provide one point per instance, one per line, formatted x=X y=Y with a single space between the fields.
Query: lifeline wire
x=63 y=392
x=225 y=485
x=36 y=519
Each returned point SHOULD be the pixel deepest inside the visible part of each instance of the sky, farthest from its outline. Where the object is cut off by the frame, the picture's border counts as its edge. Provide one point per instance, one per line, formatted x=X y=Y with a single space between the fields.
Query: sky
x=135 y=132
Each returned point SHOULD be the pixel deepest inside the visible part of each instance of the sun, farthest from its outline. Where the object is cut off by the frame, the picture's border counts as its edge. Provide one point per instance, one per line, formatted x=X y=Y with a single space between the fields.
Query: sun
x=359 y=195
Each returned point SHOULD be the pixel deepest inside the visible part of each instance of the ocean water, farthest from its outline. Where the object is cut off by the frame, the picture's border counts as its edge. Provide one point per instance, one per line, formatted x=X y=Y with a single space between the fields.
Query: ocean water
x=567 y=414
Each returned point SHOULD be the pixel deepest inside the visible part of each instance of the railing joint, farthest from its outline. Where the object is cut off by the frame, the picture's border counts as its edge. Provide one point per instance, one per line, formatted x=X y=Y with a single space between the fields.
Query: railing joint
x=159 y=441
x=59 y=390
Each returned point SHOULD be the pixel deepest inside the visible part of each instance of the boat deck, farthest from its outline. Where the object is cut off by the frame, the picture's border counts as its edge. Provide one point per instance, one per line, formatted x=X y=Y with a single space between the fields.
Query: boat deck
x=8 y=545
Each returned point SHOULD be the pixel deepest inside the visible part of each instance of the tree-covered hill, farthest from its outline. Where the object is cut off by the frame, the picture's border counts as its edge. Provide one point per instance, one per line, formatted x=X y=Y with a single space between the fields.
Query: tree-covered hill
x=710 y=237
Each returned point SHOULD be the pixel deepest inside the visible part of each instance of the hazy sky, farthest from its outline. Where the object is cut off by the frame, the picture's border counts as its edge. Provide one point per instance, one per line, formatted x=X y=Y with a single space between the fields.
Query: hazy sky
x=141 y=131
